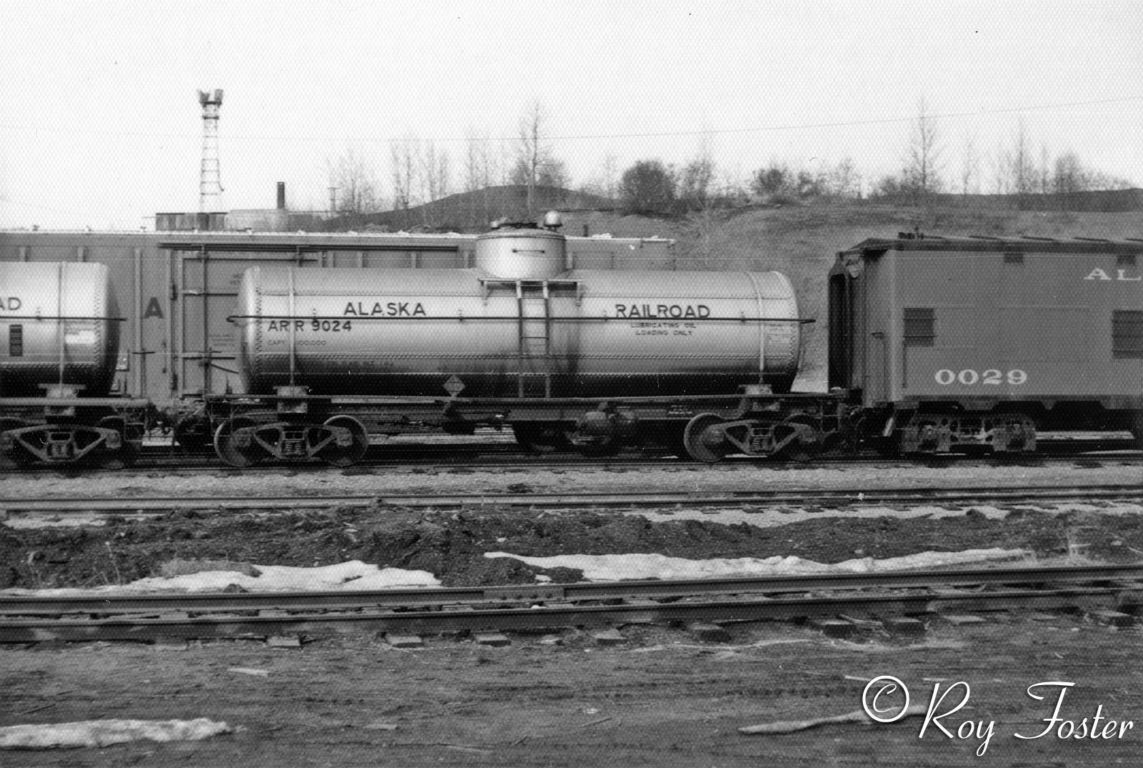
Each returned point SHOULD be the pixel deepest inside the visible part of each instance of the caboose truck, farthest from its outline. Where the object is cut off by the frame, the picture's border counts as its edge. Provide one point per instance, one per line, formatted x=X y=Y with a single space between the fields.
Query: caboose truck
x=976 y=343
x=56 y=367
x=566 y=358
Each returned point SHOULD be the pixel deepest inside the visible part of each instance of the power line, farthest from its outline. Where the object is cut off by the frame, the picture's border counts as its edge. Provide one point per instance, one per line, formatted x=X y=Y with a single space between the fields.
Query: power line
x=604 y=136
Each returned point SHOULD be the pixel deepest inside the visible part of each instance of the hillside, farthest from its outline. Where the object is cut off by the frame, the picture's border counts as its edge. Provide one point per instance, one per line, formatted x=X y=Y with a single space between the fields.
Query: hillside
x=803 y=242
x=470 y=211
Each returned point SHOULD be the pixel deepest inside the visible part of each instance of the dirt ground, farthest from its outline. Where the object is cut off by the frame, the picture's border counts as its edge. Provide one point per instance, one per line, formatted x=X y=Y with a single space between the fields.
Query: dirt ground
x=662 y=698
x=451 y=545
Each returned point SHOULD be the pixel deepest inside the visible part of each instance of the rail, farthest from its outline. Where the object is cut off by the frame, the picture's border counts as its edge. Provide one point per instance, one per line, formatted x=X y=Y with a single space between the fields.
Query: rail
x=146 y=618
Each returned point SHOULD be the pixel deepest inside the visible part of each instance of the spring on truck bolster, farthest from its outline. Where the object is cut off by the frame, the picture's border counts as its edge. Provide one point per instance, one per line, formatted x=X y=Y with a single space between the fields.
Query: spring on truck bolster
x=937 y=434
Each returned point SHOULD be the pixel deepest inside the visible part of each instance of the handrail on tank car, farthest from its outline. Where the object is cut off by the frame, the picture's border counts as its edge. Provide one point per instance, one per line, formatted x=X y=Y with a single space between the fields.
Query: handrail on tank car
x=232 y=319
x=101 y=318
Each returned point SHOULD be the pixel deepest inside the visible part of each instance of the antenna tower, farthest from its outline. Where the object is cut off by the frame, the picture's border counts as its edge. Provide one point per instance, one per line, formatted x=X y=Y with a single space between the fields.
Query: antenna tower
x=210 y=182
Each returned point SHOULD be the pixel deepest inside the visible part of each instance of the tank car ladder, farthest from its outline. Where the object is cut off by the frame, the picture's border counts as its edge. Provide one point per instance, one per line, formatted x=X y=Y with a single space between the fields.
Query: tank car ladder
x=534 y=336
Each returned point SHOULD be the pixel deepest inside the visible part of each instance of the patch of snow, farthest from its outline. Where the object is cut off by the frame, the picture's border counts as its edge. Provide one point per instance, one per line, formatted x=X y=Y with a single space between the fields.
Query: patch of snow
x=352 y=576
x=102 y=733
x=651 y=566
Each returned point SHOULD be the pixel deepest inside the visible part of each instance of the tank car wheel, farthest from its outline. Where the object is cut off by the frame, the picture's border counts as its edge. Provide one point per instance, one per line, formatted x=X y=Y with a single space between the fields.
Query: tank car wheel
x=348 y=455
x=16 y=455
x=704 y=440
x=539 y=438
x=227 y=448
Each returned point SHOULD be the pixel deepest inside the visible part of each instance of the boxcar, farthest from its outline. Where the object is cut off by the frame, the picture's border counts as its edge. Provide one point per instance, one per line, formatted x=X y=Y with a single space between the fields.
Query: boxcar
x=984 y=341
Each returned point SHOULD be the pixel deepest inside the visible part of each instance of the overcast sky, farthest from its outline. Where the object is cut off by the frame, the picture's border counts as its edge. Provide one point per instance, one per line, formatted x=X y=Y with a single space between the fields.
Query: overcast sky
x=100 y=125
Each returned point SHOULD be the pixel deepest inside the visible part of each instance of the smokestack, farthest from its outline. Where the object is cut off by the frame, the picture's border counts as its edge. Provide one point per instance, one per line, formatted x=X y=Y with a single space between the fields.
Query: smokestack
x=281 y=195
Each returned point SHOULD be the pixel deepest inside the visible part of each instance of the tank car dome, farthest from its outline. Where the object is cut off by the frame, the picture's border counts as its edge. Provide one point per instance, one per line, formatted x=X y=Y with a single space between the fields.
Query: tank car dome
x=513 y=251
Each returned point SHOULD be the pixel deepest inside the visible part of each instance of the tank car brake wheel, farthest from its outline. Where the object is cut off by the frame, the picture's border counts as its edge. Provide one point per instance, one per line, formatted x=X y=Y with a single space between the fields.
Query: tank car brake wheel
x=346 y=455
x=704 y=439
x=227 y=447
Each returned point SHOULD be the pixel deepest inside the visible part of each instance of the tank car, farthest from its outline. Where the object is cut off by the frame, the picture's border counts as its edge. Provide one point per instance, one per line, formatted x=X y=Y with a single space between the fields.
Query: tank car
x=57 y=362
x=515 y=327
x=590 y=358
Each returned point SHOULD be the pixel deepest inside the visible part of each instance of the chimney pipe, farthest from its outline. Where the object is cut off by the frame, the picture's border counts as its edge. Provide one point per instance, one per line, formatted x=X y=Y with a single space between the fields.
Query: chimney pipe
x=281 y=195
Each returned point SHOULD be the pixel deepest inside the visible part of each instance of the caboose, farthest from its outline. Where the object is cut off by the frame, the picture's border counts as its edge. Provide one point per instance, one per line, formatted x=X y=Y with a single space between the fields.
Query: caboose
x=962 y=343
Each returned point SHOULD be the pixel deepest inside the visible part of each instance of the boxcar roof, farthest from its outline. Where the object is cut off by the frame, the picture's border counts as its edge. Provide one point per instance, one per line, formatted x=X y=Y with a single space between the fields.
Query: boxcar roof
x=877 y=246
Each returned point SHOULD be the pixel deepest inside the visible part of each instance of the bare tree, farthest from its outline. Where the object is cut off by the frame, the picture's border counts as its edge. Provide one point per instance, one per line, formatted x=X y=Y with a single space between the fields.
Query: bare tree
x=697 y=177
x=970 y=166
x=843 y=179
x=536 y=163
x=609 y=176
x=403 y=156
x=477 y=175
x=1019 y=167
x=923 y=161
x=435 y=171
x=433 y=166
x=355 y=181
x=1068 y=178
x=605 y=181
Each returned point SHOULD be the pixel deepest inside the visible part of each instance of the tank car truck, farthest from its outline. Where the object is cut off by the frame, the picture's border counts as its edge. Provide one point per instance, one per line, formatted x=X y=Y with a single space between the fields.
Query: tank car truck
x=587 y=359
x=981 y=343
x=58 y=352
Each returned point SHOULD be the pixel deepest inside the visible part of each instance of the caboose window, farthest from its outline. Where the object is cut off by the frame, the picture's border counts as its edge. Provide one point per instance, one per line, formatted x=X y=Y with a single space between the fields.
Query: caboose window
x=1013 y=258
x=15 y=340
x=920 y=327
x=1127 y=333
x=1125 y=260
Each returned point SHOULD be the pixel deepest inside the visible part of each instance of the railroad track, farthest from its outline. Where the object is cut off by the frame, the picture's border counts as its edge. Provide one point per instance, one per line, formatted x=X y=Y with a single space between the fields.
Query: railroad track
x=1115 y=590
x=160 y=505
x=507 y=456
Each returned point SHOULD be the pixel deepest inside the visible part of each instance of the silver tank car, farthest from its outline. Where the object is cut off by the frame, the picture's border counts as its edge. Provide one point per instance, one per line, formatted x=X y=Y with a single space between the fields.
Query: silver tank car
x=517 y=325
x=59 y=327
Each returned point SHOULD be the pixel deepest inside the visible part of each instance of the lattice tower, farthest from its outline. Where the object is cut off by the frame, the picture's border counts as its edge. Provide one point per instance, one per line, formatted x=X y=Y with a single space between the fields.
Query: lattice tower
x=210 y=181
